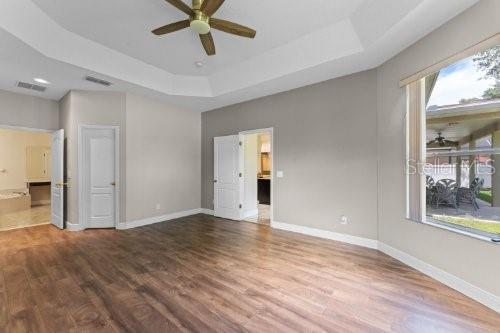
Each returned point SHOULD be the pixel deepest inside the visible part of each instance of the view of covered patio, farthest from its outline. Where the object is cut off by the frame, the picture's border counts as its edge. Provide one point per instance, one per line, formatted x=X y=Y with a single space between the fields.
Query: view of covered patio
x=463 y=146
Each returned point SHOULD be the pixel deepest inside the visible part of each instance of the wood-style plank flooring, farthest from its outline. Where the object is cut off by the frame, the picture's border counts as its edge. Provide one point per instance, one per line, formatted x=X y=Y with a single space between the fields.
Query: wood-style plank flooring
x=204 y=274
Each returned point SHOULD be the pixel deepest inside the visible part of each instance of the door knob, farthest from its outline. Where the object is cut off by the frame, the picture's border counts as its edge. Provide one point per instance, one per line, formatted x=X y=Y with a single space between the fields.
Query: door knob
x=113 y=184
x=59 y=185
x=215 y=180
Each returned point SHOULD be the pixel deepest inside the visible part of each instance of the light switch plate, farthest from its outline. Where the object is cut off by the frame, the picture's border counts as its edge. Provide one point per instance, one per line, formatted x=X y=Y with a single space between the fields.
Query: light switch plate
x=279 y=174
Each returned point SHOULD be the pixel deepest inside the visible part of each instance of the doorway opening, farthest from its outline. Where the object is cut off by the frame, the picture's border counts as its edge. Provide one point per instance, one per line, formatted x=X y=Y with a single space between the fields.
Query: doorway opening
x=25 y=178
x=243 y=176
x=257 y=176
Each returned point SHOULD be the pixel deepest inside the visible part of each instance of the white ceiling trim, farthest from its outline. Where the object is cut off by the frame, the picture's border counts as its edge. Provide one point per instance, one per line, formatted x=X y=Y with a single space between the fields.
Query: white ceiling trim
x=322 y=46
x=26 y=21
x=342 y=48
x=23 y=19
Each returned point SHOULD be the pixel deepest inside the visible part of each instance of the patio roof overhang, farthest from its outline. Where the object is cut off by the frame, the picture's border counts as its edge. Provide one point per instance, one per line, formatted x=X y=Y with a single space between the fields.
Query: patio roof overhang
x=464 y=122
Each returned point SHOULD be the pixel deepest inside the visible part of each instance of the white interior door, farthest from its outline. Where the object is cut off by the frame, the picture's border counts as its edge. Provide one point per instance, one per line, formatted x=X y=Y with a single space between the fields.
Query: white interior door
x=99 y=177
x=57 y=179
x=227 y=201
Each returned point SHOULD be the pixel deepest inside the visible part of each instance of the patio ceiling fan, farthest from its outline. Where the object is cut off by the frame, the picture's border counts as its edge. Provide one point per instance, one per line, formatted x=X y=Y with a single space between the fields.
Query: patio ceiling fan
x=201 y=21
x=442 y=142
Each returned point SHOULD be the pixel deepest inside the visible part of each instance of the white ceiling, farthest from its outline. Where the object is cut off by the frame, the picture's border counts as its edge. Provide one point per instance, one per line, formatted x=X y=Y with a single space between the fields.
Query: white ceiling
x=120 y=25
x=297 y=43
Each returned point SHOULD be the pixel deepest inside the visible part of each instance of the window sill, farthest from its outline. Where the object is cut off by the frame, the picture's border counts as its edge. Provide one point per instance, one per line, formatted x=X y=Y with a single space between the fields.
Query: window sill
x=462 y=231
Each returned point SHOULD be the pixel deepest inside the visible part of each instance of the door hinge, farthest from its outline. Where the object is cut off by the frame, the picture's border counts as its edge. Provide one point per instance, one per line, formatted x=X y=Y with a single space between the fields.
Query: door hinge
x=241 y=175
x=241 y=143
x=241 y=206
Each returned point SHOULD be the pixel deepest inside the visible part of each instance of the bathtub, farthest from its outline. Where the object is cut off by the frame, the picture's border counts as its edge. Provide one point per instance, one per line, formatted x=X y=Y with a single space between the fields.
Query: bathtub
x=14 y=201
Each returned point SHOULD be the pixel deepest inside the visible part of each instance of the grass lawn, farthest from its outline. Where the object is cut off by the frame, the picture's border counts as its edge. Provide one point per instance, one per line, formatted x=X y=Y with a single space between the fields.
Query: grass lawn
x=485 y=196
x=492 y=227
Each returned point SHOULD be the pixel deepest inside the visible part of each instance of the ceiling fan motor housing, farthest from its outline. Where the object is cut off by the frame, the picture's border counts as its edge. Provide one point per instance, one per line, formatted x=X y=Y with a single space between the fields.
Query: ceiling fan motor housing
x=200 y=22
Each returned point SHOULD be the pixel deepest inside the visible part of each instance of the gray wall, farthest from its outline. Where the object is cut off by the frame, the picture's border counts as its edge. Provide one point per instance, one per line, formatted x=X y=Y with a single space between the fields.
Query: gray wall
x=159 y=151
x=355 y=126
x=28 y=111
x=90 y=108
x=325 y=142
x=163 y=158
x=473 y=260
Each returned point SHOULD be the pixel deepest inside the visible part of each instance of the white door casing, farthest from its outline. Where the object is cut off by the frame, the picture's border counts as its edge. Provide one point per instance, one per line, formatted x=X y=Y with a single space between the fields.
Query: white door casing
x=98 y=170
x=57 y=179
x=227 y=180
x=269 y=131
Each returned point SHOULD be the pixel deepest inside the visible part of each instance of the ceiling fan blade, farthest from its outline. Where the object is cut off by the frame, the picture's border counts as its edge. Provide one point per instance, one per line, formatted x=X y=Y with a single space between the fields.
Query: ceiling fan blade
x=171 y=27
x=208 y=43
x=232 y=28
x=179 y=4
x=209 y=7
x=431 y=142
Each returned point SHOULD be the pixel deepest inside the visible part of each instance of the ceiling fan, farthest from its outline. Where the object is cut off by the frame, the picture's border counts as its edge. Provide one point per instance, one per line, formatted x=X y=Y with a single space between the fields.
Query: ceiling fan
x=442 y=142
x=201 y=21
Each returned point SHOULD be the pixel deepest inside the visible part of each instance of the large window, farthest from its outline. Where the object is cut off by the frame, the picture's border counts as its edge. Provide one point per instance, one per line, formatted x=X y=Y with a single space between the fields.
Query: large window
x=453 y=150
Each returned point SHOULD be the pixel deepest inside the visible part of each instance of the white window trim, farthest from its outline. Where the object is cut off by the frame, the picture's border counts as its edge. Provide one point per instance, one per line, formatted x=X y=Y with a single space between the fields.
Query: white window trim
x=415 y=150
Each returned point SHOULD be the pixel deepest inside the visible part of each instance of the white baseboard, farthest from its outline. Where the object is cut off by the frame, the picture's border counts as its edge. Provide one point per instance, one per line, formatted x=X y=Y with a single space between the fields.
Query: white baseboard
x=486 y=298
x=207 y=211
x=73 y=227
x=452 y=281
x=366 y=242
x=158 y=219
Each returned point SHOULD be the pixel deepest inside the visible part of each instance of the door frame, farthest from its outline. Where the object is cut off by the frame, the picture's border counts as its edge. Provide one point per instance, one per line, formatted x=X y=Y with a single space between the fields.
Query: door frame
x=269 y=130
x=83 y=204
x=36 y=130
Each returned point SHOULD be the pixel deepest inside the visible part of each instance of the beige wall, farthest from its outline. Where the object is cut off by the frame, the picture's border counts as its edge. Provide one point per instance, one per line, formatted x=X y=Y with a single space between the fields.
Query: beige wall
x=163 y=158
x=28 y=111
x=251 y=160
x=473 y=260
x=13 y=146
x=325 y=142
x=90 y=108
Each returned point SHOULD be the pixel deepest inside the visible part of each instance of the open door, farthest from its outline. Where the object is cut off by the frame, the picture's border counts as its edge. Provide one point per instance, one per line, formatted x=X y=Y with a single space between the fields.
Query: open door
x=57 y=179
x=227 y=177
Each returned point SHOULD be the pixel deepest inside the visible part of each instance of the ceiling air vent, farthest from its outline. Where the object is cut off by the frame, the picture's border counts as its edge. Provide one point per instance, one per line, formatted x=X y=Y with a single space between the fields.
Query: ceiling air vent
x=97 y=81
x=31 y=86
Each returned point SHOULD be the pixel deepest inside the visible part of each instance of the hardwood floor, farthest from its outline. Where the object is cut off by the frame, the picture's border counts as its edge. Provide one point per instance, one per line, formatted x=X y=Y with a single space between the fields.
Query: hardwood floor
x=211 y=275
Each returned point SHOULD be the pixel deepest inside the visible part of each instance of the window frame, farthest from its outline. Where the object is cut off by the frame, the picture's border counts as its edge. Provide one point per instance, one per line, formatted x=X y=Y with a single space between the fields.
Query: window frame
x=415 y=129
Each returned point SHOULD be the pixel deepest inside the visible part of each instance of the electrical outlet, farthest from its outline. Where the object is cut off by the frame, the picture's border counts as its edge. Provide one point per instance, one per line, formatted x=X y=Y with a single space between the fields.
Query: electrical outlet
x=158 y=206
x=343 y=219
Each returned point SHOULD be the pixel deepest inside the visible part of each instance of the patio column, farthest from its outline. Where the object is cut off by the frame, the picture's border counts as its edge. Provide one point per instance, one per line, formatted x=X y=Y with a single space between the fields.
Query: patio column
x=458 y=169
x=495 y=178
x=472 y=160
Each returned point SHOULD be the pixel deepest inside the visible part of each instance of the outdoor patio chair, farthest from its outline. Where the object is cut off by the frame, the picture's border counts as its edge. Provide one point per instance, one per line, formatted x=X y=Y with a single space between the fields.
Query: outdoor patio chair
x=446 y=193
x=430 y=189
x=469 y=194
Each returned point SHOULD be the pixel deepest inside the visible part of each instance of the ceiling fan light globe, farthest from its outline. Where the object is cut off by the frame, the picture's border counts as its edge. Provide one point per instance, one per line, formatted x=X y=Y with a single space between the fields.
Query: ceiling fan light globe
x=200 y=27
